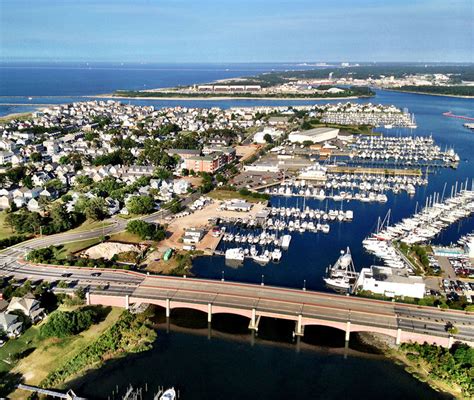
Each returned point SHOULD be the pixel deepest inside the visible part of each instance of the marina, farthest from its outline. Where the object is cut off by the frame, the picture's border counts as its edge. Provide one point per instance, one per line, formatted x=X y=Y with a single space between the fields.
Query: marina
x=437 y=215
x=264 y=238
x=339 y=187
x=407 y=150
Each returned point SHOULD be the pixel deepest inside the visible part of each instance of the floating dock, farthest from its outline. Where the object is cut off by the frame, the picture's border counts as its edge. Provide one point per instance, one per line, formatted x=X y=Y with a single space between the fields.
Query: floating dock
x=374 y=171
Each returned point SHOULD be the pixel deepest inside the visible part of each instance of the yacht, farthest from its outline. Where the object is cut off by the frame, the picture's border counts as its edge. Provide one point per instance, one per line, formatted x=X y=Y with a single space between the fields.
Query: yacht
x=169 y=394
x=262 y=259
x=342 y=275
x=285 y=241
x=235 y=254
x=276 y=254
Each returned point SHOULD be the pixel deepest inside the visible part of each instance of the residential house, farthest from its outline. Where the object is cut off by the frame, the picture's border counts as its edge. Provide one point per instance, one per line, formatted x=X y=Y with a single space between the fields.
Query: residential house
x=28 y=306
x=5 y=202
x=33 y=205
x=5 y=157
x=112 y=205
x=10 y=324
x=180 y=186
x=49 y=194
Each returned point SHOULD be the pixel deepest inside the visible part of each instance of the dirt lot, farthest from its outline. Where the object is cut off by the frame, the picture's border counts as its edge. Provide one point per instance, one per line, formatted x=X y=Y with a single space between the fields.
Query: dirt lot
x=200 y=219
x=109 y=249
x=246 y=151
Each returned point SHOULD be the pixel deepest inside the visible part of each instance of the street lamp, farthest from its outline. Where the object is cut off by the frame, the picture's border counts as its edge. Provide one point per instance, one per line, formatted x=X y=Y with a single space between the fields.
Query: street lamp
x=222 y=279
x=262 y=284
x=304 y=284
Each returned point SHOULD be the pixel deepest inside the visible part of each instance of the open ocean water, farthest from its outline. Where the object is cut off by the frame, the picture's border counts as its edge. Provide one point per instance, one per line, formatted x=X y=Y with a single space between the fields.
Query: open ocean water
x=229 y=367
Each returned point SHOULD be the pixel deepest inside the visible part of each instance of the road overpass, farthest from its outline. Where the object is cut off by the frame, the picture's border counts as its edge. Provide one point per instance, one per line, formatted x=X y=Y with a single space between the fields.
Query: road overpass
x=403 y=322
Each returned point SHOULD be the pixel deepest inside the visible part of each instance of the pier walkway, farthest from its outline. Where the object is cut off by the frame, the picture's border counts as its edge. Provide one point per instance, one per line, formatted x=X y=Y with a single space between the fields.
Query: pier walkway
x=69 y=395
x=374 y=171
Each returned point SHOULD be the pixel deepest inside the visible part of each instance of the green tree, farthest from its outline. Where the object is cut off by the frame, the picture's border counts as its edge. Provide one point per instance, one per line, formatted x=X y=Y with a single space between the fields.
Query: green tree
x=268 y=138
x=61 y=220
x=36 y=157
x=140 y=204
x=94 y=209
x=146 y=230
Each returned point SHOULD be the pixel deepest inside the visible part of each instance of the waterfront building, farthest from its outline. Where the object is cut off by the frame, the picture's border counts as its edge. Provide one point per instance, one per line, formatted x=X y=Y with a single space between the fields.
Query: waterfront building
x=316 y=135
x=390 y=282
x=192 y=235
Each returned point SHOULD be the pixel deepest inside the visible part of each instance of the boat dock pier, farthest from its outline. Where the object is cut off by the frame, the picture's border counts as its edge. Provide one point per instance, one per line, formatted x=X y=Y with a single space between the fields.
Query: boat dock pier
x=69 y=395
x=374 y=171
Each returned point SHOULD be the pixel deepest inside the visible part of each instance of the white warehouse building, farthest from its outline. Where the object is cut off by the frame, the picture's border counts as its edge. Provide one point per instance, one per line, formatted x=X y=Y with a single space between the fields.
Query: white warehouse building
x=390 y=282
x=259 y=137
x=316 y=135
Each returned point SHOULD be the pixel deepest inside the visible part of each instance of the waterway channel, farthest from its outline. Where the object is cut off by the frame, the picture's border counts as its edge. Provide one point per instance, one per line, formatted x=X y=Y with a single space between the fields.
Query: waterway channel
x=227 y=362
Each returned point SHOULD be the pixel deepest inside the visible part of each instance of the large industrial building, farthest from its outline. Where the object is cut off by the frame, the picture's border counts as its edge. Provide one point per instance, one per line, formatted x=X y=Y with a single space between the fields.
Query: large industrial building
x=316 y=135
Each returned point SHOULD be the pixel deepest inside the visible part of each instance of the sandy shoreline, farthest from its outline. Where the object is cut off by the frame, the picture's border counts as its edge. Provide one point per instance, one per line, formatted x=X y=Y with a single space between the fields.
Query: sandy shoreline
x=387 y=347
x=430 y=94
x=221 y=98
x=11 y=116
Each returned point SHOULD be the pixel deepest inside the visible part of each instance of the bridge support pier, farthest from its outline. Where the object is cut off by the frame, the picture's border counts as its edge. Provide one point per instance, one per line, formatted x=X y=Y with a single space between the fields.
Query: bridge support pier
x=346 y=349
x=168 y=308
x=127 y=302
x=298 y=343
x=88 y=298
x=252 y=337
x=209 y=313
x=398 y=340
x=348 y=331
x=209 y=331
x=299 y=326
x=254 y=320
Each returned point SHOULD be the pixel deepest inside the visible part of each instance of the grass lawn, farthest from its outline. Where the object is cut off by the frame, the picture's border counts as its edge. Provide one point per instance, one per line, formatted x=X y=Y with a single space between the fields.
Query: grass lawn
x=19 y=116
x=74 y=247
x=229 y=194
x=89 y=225
x=125 y=237
x=50 y=353
x=5 y=231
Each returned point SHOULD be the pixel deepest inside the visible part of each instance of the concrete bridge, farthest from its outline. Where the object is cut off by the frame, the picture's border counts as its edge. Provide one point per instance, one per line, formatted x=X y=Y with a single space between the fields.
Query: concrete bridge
x=402 y=322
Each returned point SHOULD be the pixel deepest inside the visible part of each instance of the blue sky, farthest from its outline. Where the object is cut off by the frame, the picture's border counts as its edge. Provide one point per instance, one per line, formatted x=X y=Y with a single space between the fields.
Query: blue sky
x=237 y=30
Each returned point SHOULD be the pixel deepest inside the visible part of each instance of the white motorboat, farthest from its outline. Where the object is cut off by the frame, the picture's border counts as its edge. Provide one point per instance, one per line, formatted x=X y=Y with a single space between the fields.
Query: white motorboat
x=342 y=275
x=276 y=254
x=285 y=241
x=169 y=394
x=236 y=254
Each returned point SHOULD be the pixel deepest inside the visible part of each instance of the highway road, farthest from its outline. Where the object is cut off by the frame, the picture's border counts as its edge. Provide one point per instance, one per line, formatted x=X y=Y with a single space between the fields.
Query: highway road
x=110 y=227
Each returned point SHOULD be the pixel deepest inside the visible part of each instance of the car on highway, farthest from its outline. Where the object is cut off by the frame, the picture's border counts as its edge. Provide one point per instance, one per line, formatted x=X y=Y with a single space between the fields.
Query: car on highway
x=66 y=275
x=96 y=274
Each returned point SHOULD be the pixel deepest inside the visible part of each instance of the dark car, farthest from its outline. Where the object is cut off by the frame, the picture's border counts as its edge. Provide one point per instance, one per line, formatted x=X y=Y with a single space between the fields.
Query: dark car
x=66 y=275
x=96 y=274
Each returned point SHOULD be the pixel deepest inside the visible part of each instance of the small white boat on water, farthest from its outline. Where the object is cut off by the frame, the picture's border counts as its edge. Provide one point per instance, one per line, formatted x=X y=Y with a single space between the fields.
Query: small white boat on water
x=262 y=259
x=285 y=241
x=169 y=394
